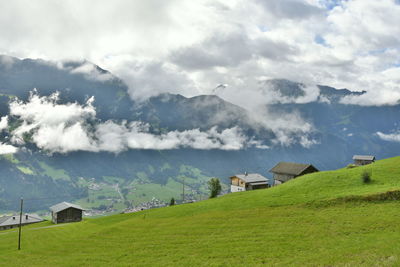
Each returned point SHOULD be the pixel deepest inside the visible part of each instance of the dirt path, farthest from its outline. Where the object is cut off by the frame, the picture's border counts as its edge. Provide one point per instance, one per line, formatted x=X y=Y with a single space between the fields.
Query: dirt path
x=37 y=228
x=50 y=226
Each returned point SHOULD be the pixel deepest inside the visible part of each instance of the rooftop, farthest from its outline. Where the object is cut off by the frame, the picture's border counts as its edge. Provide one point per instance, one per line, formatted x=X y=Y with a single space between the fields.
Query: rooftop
x=363 y=157
x=63 y=206
x=14 y=219
x=251 y=177
x=290 y=168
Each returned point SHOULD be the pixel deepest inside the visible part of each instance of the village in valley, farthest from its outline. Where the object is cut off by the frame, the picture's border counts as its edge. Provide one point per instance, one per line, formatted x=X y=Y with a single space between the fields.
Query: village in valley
x=66 y=212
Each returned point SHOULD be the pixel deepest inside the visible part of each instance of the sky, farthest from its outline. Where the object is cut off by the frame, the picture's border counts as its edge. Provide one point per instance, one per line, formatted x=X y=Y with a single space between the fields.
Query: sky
x=191 y=47
x=223 y=47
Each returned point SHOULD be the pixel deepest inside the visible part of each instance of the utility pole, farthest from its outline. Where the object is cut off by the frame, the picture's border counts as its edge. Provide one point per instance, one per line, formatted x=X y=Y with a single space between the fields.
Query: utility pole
x=183 y=190
x=20 y=224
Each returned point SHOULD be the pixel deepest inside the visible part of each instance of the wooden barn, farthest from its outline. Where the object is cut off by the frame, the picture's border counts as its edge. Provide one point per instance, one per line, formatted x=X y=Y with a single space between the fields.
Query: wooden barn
x=65 y=212
x=360 y=160
x=285 y=171
x=9 y=222
x=248 y=181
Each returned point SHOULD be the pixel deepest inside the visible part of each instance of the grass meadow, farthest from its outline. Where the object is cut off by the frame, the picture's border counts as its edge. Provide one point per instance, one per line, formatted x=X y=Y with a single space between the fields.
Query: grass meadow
x=322 y=219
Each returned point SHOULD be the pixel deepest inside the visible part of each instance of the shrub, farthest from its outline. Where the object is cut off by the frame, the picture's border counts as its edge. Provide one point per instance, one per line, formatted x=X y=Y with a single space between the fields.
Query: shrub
x=172 y=202
x=366 y=177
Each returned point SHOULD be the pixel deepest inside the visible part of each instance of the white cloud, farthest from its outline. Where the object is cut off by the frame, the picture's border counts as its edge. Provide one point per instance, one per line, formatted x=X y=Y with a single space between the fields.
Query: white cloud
x=6 y=61
x=53 y=126
x=148 y=78
x=63 y=128
x=3 y=123
x=392 y=137
x=7 y=149
x=291 y=9
x=91 y=72
x=62 y=138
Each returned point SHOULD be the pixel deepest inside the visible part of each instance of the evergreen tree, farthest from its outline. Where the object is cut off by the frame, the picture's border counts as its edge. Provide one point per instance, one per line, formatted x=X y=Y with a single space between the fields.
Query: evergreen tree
x=214 y=186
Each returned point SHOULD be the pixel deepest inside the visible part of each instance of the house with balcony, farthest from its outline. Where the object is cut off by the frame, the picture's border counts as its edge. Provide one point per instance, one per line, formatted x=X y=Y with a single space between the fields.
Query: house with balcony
x=249 y=181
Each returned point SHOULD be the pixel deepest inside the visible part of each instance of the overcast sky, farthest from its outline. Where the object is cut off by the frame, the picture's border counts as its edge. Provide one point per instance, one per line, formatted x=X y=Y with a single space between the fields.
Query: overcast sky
x=190 y=47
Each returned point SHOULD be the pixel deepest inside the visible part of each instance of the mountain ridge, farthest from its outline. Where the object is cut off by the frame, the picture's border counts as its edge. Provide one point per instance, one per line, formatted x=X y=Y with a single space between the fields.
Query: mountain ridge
x=335 y=132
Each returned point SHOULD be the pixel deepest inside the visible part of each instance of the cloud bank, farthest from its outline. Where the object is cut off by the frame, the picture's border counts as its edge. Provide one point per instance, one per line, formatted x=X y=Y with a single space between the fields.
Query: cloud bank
x=392 y=137
x=63 y=128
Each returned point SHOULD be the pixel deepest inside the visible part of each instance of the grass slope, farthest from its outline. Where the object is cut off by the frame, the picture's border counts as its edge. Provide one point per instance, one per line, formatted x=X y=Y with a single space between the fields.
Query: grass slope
x=322 y=219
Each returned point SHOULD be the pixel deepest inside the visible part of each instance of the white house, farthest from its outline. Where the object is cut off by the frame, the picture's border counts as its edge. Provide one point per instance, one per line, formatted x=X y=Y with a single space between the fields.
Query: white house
x=248 y=181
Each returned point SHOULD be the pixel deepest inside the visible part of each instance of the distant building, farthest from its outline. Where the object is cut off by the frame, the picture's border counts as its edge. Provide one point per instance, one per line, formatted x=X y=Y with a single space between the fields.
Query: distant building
x=360 y=160
x=9 y=222
x=65 y=212
x=248 y=181
x=285 y=171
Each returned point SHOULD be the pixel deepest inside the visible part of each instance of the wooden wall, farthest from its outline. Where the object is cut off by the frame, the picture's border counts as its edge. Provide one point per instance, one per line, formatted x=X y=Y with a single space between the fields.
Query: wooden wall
x=68 y=215
x=283 y=177
x=359 y=162
x=236 y=181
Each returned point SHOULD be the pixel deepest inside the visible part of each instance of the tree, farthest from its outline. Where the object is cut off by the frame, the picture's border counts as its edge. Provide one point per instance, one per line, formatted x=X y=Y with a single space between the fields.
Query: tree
x=214 y=186
x=172 y=202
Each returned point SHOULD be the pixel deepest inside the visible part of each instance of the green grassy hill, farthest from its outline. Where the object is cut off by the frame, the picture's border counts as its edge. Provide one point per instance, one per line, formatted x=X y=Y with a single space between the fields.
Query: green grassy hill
x=323 y=219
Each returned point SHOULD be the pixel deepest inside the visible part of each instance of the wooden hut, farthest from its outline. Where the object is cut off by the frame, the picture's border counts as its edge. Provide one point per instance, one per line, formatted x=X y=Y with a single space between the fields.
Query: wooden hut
x=360 y=160
x=248 y=181
x=285 y=171
x=65 y=212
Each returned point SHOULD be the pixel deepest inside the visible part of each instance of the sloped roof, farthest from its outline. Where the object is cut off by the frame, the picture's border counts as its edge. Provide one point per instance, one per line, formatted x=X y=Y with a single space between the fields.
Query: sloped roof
x=363 y=157
x=251 y=177
x=63 y=206
x=3 y=219
x=290 y=168
x=14 y=219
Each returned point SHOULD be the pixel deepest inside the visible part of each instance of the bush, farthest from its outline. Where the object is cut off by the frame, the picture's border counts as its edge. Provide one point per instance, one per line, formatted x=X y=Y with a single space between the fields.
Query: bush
x=172 y=202
x=366 y=177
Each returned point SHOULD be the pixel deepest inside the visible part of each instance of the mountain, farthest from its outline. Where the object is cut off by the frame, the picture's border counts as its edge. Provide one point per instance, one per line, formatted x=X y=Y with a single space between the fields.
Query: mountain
x=295 y=90
x=329 y=218
x=112 y=181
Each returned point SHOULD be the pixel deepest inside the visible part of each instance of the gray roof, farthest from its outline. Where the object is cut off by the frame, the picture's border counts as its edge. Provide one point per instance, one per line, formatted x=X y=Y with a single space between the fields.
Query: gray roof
x=291 y=168
x=363 y=157
x=3 y=219
x=14 y=219
x=63 y=206
x=251 y=177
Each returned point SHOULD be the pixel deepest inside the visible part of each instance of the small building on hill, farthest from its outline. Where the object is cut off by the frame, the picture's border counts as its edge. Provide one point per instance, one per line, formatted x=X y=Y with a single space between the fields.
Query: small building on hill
x=9 y=222
x=285 y=171
x=65 y=212
x=248 y=181
x=360 y=160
